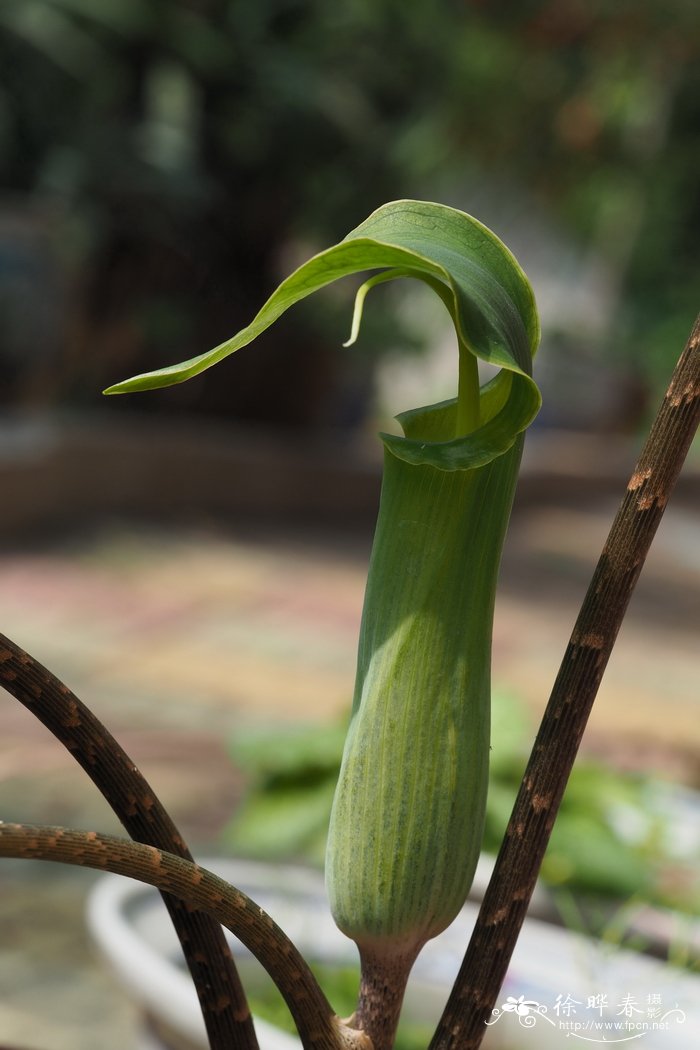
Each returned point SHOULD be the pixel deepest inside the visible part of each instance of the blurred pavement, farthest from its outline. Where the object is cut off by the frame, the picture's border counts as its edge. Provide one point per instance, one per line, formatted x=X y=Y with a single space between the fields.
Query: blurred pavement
x=177 y=637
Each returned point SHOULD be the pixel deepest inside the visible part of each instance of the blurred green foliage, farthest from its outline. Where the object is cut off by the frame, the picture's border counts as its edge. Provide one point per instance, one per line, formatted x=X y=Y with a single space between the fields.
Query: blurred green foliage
x=195 y=147
x=610 y=839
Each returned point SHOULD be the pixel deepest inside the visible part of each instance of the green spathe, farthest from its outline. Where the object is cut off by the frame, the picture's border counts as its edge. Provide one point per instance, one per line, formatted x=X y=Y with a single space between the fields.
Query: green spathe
x=409 y=806
x=408 y=813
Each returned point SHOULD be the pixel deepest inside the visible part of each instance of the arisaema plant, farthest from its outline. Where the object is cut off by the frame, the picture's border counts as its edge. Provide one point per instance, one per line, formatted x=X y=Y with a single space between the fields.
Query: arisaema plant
x=408 y=813
x=409 y=805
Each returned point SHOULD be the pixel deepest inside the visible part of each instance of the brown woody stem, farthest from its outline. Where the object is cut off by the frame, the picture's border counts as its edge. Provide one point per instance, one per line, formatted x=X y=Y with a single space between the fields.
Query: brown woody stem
x=462 y=1025
x=222 y=999
x=319 y=1027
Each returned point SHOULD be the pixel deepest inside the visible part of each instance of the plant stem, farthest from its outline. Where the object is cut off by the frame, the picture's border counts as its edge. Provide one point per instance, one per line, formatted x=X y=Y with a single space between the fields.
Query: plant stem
x=319 y=1027
x=222 y=999
x=383 y=978
x=467 y=393
x=462 y=1025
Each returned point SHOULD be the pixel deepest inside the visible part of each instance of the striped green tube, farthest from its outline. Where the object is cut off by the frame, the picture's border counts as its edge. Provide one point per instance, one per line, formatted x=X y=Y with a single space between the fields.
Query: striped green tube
x=408 y=813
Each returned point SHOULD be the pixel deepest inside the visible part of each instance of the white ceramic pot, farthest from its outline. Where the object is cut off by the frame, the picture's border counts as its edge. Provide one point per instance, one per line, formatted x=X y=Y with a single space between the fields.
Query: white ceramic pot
x=555 y=979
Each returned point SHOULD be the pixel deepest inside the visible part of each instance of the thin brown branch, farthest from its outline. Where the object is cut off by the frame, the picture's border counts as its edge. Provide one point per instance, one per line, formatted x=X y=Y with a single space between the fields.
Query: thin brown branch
x=319 y=1027
x=224 y=1006
x=505 y=903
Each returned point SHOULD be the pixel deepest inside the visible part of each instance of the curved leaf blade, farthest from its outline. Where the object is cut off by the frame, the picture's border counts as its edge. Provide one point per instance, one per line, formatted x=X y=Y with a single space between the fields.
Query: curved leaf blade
x=343 y=260
x=483 y=287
